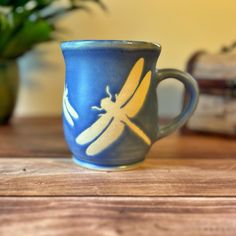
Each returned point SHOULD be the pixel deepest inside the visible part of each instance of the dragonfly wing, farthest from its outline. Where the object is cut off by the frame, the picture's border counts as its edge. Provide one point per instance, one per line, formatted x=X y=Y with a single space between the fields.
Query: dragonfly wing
x=131 y=83
x=111 y=134
x=67 y=115
x=136 y=102
x=94 y=130
x=70 y=109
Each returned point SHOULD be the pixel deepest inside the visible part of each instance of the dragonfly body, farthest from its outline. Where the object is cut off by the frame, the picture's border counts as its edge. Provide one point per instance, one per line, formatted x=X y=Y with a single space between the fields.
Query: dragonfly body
x=114 y=110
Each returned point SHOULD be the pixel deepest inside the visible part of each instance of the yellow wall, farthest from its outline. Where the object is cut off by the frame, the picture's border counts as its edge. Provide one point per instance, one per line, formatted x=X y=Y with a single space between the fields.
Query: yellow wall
x=180 y=26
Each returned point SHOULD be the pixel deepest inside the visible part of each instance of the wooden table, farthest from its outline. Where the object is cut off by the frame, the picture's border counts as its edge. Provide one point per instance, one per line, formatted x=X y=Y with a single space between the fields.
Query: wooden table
x=187 y=186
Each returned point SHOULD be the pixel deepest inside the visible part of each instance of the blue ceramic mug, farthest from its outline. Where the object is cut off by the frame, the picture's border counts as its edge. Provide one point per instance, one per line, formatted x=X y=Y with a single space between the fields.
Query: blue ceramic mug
x=110 y=115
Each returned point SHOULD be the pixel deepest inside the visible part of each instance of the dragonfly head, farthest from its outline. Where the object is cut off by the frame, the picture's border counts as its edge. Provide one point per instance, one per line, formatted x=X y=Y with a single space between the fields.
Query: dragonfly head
x=106 y=103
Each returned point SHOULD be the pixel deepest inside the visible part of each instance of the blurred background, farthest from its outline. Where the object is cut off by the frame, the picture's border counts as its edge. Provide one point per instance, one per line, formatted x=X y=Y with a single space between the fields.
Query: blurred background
x=181 y=27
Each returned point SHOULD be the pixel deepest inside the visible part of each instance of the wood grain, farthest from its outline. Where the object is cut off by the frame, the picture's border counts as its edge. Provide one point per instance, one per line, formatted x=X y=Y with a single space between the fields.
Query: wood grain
x=38 y=137
x=117 y=216
x=186 y=186
x=156 y=177
x=43 y=137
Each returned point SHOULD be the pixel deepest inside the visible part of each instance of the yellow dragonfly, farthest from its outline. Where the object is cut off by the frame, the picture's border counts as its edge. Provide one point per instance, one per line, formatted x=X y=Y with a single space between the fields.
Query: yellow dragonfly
x=127 y=104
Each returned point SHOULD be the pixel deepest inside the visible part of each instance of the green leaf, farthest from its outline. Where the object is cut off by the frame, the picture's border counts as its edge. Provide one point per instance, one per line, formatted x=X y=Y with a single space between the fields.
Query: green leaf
x=4 y=24
x=24 y=25
x=13 y=3
x=31 y=34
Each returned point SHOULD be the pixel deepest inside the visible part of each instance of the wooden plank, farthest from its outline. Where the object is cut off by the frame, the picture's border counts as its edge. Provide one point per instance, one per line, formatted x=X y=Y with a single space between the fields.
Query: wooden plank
x=41 y=137
x=156 y=177
x=117 y=216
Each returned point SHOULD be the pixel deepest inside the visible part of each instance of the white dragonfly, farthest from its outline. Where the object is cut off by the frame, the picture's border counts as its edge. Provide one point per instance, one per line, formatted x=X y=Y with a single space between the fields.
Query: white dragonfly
x=117 y=114
x=68 y=110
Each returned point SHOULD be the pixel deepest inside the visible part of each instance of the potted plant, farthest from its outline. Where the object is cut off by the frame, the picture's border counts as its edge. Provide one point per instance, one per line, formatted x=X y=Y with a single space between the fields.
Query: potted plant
x=24 y=24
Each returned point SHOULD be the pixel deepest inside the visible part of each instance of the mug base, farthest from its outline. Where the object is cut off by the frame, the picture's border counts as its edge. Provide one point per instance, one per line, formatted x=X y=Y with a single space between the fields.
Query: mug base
x=105 y=168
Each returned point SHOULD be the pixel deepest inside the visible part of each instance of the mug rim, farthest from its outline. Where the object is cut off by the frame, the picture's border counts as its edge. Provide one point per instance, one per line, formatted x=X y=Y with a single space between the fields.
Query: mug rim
x=120 y=44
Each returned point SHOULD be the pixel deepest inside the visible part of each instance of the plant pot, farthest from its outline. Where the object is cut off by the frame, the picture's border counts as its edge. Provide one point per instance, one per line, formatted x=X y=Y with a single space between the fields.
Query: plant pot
x=9 y=80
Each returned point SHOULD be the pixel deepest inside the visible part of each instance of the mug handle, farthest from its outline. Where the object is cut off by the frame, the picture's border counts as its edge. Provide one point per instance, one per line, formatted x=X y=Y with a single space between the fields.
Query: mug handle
x=192 y=90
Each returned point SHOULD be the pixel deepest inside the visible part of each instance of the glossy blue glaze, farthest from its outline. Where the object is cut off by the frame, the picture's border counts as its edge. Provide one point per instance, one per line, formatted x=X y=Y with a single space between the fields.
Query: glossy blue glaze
x=91 y=66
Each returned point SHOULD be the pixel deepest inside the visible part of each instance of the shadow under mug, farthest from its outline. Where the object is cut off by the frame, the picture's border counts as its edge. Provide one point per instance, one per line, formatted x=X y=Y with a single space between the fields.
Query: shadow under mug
x=110 y=114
